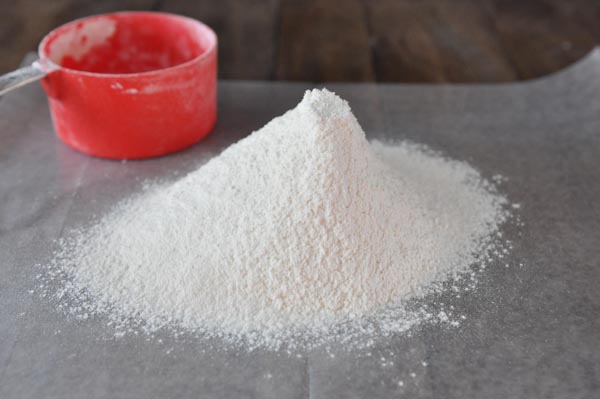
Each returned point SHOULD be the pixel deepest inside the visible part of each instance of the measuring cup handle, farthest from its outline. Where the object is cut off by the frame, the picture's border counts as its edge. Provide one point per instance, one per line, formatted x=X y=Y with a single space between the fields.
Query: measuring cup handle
x=20 y=77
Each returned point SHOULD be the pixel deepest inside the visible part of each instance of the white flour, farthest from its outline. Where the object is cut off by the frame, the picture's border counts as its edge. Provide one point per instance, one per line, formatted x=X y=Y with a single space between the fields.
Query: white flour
x=301 y=228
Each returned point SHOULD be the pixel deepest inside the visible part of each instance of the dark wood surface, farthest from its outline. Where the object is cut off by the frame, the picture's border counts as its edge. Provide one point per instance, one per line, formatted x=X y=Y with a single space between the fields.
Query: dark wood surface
x=354 y=40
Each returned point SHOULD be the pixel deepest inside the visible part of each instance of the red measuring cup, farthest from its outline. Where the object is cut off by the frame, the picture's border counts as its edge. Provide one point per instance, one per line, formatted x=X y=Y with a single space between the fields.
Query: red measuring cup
x=129 y=84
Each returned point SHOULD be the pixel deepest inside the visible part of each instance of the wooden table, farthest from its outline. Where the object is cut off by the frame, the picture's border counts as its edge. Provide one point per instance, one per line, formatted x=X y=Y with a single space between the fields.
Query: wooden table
x=355 y=40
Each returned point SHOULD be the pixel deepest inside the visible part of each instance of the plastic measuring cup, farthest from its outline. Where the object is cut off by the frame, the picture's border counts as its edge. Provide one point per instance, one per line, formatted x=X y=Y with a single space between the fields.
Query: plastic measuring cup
x=129 y=84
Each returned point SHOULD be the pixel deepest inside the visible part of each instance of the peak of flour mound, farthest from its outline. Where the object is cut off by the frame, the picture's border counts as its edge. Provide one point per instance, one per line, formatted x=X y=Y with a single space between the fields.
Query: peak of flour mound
x=298 y=226
x=325 y=105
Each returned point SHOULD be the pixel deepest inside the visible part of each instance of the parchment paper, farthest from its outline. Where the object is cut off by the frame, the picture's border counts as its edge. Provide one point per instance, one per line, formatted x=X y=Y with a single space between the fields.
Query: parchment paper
x=529 y=332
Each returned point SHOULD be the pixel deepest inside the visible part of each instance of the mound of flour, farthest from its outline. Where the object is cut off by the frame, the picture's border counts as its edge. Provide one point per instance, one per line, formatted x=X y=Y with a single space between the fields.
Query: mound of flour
x=300 y=226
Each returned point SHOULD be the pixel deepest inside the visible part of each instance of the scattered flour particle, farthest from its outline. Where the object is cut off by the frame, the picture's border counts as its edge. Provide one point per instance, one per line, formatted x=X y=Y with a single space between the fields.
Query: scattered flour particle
x=443 y=316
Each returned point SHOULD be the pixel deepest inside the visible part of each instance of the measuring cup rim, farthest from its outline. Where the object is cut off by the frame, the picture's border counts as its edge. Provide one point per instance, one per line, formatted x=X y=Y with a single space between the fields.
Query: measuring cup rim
x=47 y=63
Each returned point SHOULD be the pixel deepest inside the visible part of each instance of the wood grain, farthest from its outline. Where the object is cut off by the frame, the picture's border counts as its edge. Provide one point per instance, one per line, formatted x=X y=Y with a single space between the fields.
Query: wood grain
x=354 y=40
x=323 y=41
x=435 y=41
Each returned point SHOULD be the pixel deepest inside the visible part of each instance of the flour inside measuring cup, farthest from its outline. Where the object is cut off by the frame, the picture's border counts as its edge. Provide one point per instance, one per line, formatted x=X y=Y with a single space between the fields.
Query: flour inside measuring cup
x=76 y=43
x=303 y=231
